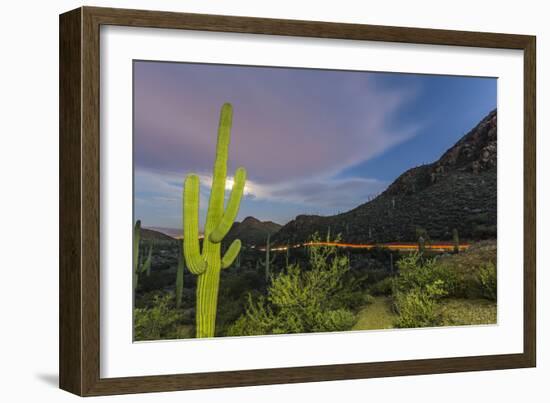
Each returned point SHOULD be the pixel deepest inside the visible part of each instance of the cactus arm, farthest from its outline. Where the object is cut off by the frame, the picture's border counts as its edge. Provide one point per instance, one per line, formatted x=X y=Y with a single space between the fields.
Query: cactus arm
x=232 y=208
x=231 y=253
x=191 y=246
x=217 y=194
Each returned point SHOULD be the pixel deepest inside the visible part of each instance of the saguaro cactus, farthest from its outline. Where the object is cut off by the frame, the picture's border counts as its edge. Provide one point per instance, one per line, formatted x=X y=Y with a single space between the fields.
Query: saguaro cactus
x=148 y=268
x=456 y=241
x=208 y=263
x=140 y=267
x=421 y=245
x=238 y=261
x=268 y=259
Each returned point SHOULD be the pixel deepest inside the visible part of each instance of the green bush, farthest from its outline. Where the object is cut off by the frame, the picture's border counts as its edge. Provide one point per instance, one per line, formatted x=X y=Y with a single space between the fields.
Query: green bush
x=302 y=301
x=158 y=322
x=419 y=307
x=416 y=308
x=352 y=292
x=418 y=288
x=487 y=280
x=336 y=320
x=416 y=272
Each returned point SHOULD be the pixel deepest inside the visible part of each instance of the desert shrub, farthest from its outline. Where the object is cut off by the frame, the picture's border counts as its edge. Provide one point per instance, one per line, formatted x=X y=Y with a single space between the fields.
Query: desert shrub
x=416 y=309
x=335 y=320
x=146 y=300
x=228 y=312
x=419 y=307
x=487 y=280
x=158 y=322
x=352 y=292
x=261 y=318
x=302 y=301
x=233 y=297
x=420 y=285
x=418 y=273
x=353 y=299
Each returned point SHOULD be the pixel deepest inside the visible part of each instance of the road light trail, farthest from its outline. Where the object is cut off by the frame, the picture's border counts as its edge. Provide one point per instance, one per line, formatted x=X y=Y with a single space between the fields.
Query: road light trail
x=437 y=247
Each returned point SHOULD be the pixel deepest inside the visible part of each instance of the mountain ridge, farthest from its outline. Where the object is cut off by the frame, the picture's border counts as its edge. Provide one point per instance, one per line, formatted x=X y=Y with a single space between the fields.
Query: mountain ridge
x=456 y=191
x=251 y=231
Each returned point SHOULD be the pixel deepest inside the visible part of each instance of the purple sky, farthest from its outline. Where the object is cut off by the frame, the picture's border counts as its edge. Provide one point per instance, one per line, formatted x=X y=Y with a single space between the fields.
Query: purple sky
x=306 y=137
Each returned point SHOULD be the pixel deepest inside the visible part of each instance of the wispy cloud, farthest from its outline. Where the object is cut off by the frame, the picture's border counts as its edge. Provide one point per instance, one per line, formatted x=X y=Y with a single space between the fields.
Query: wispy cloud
x=160 y=193
x=294 y=131
x=287 y=124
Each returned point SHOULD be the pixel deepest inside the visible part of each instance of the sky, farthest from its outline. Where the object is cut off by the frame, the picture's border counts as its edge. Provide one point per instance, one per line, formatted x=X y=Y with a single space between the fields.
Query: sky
x=312 y=141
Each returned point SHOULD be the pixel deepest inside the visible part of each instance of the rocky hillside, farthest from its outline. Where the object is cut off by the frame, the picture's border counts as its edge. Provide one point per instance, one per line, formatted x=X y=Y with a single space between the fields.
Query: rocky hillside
x=457 y=191
x=251 y=231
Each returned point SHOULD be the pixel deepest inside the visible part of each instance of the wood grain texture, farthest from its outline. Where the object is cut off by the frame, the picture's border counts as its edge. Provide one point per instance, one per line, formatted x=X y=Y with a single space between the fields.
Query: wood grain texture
x=90 y=201
x=70 y=270
x=80 y=196
x=530 y=203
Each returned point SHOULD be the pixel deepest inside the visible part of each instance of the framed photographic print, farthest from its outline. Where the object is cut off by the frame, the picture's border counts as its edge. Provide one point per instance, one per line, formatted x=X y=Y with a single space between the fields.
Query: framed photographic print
x=249 y=201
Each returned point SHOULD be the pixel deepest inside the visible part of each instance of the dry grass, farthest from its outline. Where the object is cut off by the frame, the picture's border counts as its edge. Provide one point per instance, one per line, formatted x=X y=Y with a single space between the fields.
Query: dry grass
x=458 y=312
x=470 y=260
x=377 y=315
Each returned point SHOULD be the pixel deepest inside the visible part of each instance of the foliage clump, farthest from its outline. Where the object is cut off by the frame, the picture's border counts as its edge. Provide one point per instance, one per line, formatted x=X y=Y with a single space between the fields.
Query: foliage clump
x=423 y=284
x=302 y=300
x=418 y=288
x=160 y=321
x=487 y=278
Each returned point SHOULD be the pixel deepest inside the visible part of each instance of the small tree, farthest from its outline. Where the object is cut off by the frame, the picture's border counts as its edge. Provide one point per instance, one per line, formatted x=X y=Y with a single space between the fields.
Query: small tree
x=157 y=322
x=301 y=301
x=421 y=284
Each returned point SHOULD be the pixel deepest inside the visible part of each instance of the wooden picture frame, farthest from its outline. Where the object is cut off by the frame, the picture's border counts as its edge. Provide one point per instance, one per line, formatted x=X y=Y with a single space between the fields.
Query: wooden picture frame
x=79 y=201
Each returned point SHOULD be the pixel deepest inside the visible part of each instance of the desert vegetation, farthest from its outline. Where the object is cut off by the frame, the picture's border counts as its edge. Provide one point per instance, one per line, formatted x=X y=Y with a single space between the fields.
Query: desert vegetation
x=322 y=288
x=327 y=274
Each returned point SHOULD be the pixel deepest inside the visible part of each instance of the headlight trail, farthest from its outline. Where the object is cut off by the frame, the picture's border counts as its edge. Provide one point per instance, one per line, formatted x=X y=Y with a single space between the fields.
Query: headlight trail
x=437 y=247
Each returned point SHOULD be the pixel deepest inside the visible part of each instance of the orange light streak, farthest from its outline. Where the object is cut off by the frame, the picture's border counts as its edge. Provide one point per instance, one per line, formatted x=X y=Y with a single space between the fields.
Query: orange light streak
x=439 y=247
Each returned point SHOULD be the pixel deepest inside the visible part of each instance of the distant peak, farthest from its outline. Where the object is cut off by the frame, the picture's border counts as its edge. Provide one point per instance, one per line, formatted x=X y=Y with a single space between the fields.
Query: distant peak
x=250 y=220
